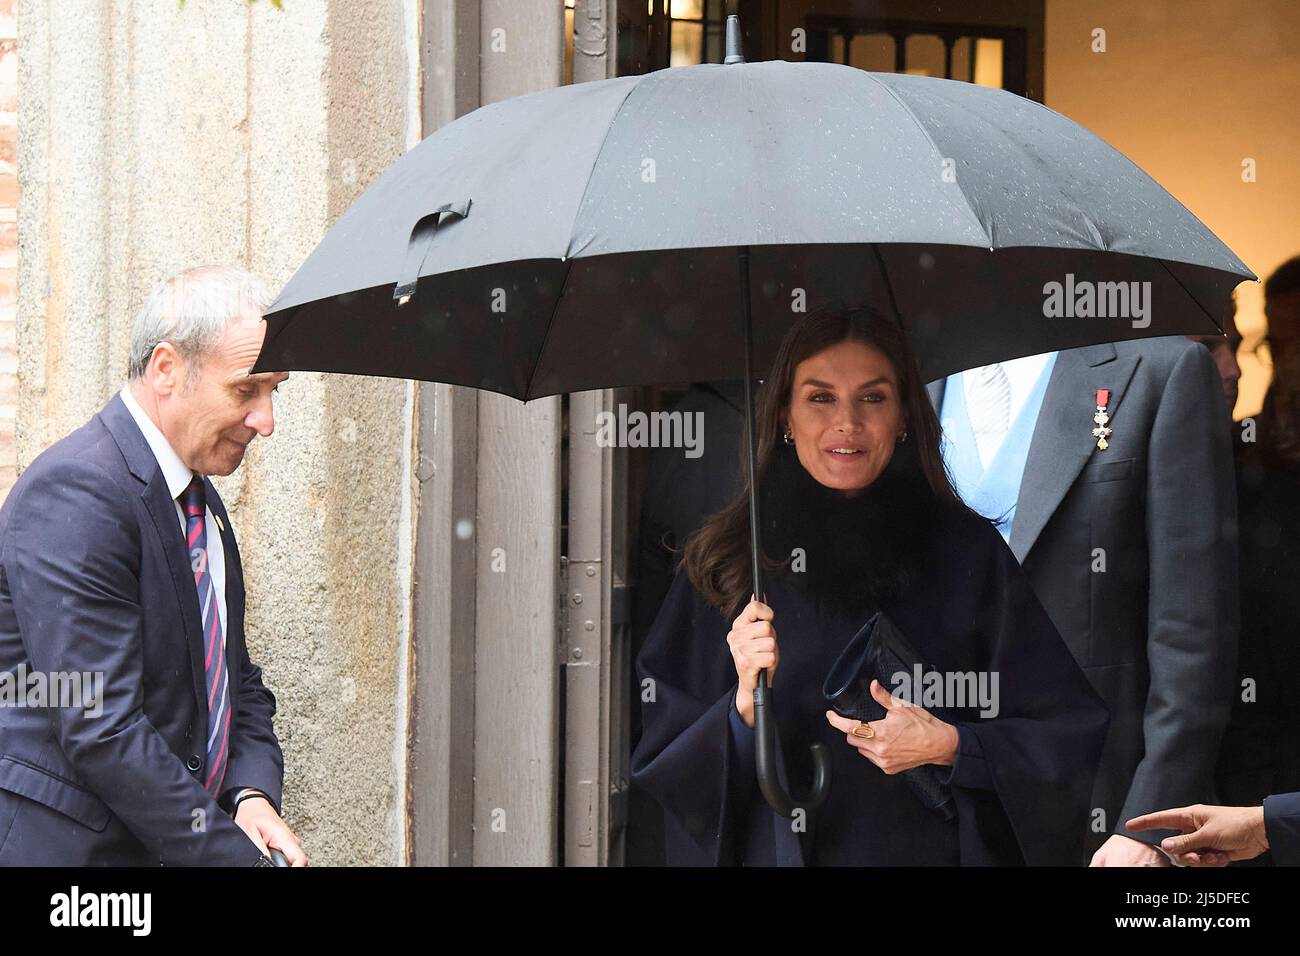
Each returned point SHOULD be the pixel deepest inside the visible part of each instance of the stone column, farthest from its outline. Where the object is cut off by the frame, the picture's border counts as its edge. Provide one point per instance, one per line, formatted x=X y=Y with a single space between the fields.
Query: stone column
x=152 y=138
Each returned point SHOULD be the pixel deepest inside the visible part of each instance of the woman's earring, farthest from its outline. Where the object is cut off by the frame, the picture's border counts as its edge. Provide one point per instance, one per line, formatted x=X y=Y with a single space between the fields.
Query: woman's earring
x=789 y=439
x=903 y=437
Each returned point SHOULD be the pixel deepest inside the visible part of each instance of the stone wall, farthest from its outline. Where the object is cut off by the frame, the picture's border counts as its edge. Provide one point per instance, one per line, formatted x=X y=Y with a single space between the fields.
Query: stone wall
x=8 y=242
x=153 y=138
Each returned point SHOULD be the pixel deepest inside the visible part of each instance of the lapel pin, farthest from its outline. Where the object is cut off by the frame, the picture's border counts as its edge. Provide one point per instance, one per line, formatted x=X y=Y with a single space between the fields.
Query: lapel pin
x=220 y=527
x=1101 y=432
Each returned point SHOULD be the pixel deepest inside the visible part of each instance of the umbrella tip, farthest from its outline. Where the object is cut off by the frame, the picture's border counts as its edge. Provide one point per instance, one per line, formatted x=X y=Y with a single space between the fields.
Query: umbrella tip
x=733 y=40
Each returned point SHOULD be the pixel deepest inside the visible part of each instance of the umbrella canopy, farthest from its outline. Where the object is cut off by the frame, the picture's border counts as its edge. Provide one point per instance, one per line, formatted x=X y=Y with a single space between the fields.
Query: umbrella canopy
x=588 y=233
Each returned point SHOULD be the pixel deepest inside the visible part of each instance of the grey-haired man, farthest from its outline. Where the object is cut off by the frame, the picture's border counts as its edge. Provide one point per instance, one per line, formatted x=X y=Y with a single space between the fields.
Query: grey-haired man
x=118 y=559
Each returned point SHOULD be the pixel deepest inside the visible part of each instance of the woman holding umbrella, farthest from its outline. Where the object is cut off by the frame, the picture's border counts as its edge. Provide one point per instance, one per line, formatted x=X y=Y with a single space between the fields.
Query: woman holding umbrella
x=614 y=284
x=859 y=517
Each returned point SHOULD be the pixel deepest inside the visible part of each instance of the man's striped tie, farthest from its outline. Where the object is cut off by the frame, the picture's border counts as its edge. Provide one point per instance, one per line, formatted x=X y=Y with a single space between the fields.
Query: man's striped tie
x=214 y=649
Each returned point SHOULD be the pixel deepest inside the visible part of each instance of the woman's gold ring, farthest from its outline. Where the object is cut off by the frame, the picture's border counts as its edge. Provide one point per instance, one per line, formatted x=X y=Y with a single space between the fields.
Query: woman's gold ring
x=858 y=731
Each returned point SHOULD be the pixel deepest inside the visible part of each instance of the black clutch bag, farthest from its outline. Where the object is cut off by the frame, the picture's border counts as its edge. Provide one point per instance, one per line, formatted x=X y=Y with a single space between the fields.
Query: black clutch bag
x=879 y=650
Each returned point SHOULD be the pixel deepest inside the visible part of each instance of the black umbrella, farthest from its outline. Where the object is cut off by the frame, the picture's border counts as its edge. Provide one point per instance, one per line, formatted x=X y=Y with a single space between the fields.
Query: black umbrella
x=656 y=228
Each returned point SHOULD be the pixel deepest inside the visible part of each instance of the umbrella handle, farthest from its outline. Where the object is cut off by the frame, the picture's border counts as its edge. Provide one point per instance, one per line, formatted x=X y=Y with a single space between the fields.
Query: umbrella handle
x=765 y=761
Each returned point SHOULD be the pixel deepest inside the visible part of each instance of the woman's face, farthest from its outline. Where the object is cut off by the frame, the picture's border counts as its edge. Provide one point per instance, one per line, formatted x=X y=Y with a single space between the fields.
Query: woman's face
x=845 y=414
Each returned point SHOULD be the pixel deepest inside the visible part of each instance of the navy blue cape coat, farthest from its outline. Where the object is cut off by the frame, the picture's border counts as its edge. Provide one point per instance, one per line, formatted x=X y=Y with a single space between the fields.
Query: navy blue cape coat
x=1022 y=779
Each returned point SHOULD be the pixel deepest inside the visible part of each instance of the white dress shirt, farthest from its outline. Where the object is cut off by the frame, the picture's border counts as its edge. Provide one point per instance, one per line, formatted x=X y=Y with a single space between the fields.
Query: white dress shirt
x=178 y=478
x=1022 y=375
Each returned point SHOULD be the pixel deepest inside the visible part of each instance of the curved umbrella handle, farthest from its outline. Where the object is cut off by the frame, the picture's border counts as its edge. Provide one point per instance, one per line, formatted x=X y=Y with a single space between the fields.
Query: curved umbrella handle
x=765 y=761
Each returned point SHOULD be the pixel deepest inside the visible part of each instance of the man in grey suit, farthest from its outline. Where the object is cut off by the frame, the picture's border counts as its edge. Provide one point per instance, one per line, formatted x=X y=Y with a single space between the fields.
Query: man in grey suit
x=1110 y=469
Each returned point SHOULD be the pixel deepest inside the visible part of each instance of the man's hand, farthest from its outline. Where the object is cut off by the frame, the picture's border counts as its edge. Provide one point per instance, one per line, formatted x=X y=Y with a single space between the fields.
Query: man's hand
x=265 y=828
x=1211 y=836
x=1122 y=850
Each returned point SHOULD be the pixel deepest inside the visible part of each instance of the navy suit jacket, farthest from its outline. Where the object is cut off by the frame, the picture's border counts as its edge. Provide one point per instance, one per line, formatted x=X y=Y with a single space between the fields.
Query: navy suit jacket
x=95 y=578
x=1282 y=826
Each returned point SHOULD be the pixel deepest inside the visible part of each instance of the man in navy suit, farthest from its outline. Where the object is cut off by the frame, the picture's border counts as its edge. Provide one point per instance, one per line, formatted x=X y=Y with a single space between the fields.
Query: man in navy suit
x=118 y=564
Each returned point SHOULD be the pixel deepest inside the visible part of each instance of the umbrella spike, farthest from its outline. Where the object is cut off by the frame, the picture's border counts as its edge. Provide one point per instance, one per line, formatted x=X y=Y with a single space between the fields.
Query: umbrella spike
x=734 y=54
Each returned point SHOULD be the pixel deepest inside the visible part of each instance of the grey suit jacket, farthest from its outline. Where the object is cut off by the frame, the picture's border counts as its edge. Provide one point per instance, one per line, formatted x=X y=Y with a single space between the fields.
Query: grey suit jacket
x=1133 y=552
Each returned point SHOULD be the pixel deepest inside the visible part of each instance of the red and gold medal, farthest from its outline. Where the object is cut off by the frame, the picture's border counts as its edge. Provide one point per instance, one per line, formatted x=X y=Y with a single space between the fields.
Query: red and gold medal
x=1101 y=432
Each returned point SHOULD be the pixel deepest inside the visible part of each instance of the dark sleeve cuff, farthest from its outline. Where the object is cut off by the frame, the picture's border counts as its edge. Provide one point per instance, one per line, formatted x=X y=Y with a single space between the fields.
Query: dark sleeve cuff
x=227 y=801
x=1282 y=827
x=970 y=770
x=742 y=738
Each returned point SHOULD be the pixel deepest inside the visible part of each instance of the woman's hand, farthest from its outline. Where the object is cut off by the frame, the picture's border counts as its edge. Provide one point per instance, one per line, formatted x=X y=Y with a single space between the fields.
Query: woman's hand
x=907 y=737
x=753 y=647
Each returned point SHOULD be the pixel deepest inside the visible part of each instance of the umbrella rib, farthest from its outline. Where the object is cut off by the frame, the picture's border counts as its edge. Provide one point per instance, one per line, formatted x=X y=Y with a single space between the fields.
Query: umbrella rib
x=567 y=258
x=988 y=233
x=1156 y=183
x=1099 y=241
x=569 y=251
x=1164 y=265
x=889 y=286
x=546 y=337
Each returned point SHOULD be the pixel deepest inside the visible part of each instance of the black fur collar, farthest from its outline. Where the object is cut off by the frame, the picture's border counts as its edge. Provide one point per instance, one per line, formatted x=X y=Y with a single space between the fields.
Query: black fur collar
x=857 y=553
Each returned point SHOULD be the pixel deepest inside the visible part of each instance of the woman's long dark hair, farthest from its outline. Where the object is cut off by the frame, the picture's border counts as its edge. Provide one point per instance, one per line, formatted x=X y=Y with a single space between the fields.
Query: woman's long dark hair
x=717 y=556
